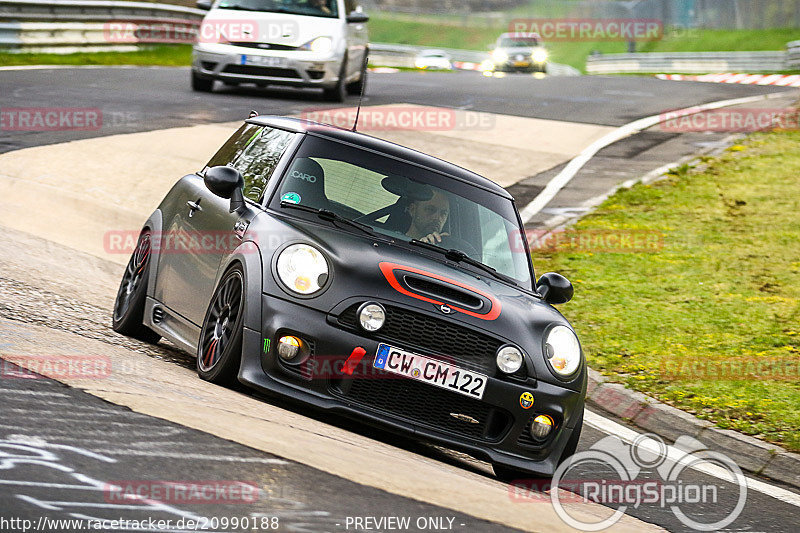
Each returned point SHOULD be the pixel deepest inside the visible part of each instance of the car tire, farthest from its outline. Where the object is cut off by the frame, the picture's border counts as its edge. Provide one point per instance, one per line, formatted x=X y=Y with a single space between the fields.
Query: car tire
x=202 y=85
x=338 y=93
x=128 y=313
x=219 y=349
x=355 y=88
x=508 y=474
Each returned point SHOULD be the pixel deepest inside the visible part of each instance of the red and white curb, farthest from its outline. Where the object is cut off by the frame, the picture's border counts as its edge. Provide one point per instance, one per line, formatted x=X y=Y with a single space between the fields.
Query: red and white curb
x=780 y=80
x=467 y=65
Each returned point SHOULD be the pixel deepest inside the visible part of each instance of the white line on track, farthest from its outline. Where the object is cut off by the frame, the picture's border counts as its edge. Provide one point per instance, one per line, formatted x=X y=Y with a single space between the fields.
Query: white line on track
x=674 y=454
x=565 y=176
x=193 y=456
x=34 y=393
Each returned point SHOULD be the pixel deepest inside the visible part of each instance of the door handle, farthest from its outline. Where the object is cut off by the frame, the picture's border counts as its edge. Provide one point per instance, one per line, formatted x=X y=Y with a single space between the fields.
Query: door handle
x=194 y=206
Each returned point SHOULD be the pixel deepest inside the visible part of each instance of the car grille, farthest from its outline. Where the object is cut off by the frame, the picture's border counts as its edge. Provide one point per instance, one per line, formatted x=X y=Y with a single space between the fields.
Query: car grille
x=427 y=405
x=431 y=336
x=273 y=72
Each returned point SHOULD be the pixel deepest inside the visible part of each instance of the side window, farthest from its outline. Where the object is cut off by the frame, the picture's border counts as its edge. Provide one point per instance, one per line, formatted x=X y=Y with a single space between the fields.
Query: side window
x=234 y=146
x=259 y=158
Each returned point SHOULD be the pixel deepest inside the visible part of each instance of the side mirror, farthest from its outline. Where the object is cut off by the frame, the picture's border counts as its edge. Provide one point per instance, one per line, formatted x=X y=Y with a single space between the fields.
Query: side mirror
x=204 y=4
x=357 y=17
x=226 y=182
x=554 y=288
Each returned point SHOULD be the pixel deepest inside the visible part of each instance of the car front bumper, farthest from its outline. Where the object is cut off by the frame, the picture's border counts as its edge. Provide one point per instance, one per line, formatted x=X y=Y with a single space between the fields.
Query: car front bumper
x=227 y=63
x=405 y=405
x=527 y=65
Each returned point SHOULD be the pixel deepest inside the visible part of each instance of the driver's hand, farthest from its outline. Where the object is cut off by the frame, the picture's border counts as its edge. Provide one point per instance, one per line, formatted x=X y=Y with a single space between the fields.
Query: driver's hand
x=434 y=238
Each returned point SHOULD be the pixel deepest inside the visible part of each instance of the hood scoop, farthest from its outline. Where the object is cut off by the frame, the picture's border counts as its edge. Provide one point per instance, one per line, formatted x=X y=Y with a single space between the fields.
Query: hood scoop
x=445 y=292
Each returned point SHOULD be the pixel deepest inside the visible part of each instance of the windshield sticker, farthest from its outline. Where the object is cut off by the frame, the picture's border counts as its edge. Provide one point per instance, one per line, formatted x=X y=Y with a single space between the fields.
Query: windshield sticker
x=291 y=197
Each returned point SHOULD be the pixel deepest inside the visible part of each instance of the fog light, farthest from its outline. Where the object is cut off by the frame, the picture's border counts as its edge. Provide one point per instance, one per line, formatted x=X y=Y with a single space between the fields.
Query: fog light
x=289 y=347
x=371 y=316
x=541 y=427
x=509 y=359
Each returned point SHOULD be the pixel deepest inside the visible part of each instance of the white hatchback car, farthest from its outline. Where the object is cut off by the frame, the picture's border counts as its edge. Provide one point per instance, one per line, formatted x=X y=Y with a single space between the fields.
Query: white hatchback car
x=302 y=43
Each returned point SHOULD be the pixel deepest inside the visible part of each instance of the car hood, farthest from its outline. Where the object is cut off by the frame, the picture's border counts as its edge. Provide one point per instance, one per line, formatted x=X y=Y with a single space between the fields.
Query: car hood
x=363 y=269
x=519 y=50
x=277 y=28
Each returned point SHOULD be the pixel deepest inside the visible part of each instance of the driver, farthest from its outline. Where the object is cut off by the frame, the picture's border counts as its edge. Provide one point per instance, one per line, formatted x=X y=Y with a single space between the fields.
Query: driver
x=428 y=218
x=321 y=5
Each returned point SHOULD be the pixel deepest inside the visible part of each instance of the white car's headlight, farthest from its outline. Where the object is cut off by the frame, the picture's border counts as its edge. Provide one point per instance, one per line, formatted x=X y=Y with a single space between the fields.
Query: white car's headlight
x=321 y=45
x=499 y=56
x=539 y=55
x=562 y=351
x=302 y=268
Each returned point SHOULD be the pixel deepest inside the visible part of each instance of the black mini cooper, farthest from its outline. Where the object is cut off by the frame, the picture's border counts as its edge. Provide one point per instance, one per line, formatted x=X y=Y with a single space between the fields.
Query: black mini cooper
x=365 y=278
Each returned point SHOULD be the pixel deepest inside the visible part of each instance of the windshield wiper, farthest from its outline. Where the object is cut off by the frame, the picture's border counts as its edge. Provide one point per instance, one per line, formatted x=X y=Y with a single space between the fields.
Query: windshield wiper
x=457 y=256
x=330 y=216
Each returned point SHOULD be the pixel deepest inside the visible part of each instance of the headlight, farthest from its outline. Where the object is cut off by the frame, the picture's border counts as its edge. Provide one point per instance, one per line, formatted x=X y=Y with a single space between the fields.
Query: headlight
x=499 y=56
x=562 y=350
x=371 y=316
x=539 y=55
x=302 y=268
x=320 y=45
x=509 y=359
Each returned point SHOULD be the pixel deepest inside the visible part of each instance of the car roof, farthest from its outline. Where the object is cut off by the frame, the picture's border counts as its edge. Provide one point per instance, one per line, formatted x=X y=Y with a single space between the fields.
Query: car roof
x=379 y=145
x=520 y=35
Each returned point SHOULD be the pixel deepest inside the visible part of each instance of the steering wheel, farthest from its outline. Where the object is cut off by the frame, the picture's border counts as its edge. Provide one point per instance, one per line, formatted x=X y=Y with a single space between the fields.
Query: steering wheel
x=449 y=241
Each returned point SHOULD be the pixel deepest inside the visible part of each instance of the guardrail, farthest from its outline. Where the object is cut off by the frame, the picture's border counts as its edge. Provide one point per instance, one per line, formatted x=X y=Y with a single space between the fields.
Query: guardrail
x=100 y=11
x=64 y=27
x=793 y=55
x=687 y=62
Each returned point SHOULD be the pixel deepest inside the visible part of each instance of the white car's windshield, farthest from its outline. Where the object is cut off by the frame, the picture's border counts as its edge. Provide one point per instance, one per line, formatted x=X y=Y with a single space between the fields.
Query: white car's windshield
x=518 y=42
x=407 y=202
x=316 y=8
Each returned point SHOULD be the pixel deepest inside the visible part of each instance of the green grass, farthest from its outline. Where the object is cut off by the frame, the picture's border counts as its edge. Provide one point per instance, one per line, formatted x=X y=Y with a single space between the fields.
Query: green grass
x=179 y=55
x=451 y=32
x=723 y=292
x=445 y=32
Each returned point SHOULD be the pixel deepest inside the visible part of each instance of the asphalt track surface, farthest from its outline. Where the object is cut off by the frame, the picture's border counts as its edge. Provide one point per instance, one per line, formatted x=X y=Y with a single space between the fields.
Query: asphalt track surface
x=142 y=99
x=98 y=443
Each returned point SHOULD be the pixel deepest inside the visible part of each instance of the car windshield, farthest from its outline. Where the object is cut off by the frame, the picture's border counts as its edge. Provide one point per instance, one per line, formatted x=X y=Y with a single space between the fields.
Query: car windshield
x=518 y=42
x=315 y=8
x=405 y=202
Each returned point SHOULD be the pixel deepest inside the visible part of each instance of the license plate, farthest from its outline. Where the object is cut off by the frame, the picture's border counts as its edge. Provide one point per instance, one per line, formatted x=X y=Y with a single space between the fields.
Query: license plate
x=430 y=371
x=264 y=61
x=521 y=64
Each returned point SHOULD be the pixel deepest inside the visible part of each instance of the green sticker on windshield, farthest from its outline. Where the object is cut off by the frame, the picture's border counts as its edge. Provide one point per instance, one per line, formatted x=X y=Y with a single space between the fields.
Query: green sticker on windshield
x=291 y=197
